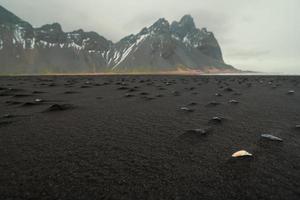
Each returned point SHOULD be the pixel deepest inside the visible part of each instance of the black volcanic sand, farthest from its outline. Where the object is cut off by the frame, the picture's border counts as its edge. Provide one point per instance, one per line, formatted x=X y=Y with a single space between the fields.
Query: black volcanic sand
x=126 y=137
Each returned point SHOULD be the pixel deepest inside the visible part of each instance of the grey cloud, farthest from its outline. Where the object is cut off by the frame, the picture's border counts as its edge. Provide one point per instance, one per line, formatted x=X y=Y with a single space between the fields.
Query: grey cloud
x=140 y=21
x=248 y=53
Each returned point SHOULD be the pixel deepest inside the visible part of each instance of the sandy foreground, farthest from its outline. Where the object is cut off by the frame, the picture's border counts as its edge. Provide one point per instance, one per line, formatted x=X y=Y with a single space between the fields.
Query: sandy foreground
x=127 y=137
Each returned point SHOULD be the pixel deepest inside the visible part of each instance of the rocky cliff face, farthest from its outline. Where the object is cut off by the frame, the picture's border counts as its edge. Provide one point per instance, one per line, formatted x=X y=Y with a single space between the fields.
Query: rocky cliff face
x=160 y=47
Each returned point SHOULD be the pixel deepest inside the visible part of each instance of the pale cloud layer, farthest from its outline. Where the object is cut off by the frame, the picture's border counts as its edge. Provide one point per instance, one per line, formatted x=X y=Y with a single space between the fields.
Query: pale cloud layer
x=261 y=35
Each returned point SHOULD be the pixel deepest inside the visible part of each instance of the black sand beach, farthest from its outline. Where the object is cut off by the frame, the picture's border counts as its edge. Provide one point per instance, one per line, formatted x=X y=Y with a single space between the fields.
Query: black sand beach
x=127 y=137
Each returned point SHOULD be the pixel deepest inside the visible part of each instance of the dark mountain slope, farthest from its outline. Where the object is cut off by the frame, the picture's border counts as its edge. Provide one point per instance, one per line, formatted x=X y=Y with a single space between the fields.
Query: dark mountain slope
x=158 y=48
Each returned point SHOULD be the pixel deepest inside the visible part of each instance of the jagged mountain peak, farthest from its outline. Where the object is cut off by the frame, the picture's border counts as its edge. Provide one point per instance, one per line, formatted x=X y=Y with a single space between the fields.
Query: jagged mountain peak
x=79 y=31
x=187 y=21
x=160 y=26
x=184 y=27
x=161 y=22
x=55 y=27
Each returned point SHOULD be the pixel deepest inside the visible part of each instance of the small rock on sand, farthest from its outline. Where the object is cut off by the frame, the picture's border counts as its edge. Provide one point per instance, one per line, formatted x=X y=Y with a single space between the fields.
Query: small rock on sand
x=213 y=103
x=199 y=132
x=38 y=100
x=70 y=92
x=29 y=104
x=175 y=93
x=192 y=104
x=233 y=101
x=241 y=153
x=291 y=92
x=216 y=119
x=59 y=107
x=128 y=95
x=271 y=137
x=228 y=89
x=186 y=109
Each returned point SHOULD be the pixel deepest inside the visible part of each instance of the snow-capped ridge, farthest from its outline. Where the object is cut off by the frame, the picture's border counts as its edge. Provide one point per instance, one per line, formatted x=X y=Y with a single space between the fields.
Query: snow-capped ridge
x=160 y=46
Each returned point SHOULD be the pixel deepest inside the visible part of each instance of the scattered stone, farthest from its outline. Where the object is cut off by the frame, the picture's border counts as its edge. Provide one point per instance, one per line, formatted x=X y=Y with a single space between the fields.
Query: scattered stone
x=194 y=135
x=37 y=92
x=186 y=109
x=123 y=88
x=59 y=107
x=29 y=104
x=216 y=120
x=198 y=132
x=148 y=98
x=271 y=137
x=228 y=89
x=192 y=104
x=85 y=86
x=70 y=92
x=274 y=86
x=132 y=90
x=129 y=95
x=218 y=95
x=144 y=93
x=213 y=103
x=38 y=100
x=175 y=93
x=241 y=153
x=233 y=101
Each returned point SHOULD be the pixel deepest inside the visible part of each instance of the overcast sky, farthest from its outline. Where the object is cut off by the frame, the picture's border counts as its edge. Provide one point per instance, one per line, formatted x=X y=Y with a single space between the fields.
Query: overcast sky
x=261 y=35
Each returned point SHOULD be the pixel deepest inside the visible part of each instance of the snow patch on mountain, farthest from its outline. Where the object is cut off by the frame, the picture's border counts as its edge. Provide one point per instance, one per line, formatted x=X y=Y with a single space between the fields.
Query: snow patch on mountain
x=19 y=34
x=127 y=51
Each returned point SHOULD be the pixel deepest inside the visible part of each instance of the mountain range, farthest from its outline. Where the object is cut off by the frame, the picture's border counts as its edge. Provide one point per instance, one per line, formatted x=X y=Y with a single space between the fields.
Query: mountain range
x=162 y=47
